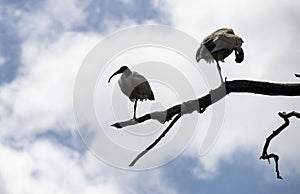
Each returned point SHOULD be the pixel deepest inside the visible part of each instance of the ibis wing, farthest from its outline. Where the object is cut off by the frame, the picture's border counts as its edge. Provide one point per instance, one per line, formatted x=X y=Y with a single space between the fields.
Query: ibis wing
x=223 y=31
x=204 y=52
x=209 y=44
x=141 y=87
x=225 y=41
x=212 y=41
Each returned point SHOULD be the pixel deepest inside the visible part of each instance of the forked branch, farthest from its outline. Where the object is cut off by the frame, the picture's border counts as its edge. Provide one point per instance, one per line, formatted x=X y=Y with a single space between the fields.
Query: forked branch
x=156 y=141
x=200 y=105
x=265 y=155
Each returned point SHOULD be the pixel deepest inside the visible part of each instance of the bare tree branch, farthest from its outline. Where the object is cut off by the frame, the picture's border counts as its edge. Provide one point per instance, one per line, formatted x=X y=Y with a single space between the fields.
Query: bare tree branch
x=200 y=104
x=156 y=141
x=265 y=155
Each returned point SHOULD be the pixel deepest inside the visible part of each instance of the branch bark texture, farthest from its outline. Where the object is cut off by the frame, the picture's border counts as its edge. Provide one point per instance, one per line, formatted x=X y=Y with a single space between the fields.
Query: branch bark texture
x=200 y=104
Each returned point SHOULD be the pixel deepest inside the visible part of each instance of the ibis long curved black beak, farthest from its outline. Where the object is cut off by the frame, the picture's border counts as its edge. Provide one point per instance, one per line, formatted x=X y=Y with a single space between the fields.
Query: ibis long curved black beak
x=117 y=72
x=239 y=55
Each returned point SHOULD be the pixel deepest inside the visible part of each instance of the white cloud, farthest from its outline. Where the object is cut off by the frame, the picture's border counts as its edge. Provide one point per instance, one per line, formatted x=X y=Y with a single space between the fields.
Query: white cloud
x=250 y=19
x=41 y=97
x=2 y=60
x=127 y=2
x=45 y=167
x=46 y=20
x=268 y=30
x=48 y=167
x=39 y=100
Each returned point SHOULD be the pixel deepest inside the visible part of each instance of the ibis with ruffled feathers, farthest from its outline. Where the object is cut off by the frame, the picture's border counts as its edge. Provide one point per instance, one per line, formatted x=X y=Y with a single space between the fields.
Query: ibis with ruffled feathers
x=219 y=45
x=134 y=86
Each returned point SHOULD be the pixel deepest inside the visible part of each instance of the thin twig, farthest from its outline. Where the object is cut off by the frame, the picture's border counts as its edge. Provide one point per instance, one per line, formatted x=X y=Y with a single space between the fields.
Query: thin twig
x=156 y=141
x=265 y=155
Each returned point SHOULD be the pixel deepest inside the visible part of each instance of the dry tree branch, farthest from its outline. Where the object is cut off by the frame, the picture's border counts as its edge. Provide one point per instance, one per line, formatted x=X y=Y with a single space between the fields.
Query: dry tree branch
x=265 y=155
x=200 y=105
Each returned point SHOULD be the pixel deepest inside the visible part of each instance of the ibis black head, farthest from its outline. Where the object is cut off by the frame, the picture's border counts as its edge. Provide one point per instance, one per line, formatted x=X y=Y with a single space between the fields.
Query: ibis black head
x=121 y=70
x=239 y=55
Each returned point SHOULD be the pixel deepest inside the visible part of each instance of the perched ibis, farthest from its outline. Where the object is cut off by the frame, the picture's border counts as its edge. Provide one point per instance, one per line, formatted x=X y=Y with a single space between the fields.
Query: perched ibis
x=134 y=86
x=219 y=45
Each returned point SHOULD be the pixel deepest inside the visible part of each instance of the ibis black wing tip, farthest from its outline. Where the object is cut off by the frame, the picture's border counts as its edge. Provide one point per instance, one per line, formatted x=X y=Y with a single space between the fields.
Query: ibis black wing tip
x=151 y=97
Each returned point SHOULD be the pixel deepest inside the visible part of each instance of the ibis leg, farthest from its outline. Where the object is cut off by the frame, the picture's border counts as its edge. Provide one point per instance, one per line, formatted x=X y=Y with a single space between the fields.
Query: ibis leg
x=219 y=70
x=134 y=109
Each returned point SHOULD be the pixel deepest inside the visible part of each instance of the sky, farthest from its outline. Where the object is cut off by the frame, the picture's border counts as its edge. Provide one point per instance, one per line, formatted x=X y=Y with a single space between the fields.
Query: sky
x=43 y=44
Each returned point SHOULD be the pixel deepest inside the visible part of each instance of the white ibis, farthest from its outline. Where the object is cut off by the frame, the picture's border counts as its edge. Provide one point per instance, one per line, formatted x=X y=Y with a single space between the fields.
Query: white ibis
x=134 y=86
x=220 y=45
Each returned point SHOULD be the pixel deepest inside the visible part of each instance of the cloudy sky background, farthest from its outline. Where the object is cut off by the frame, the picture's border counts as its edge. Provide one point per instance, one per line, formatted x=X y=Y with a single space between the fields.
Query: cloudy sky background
x=42 y=46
